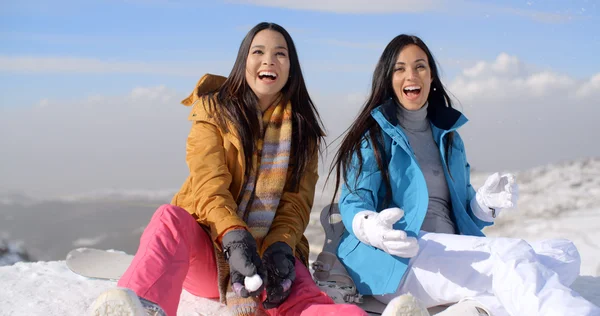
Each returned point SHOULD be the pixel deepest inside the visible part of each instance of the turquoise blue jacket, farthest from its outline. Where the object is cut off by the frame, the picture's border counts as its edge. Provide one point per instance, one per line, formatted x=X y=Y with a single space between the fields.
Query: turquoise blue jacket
x=373 y=270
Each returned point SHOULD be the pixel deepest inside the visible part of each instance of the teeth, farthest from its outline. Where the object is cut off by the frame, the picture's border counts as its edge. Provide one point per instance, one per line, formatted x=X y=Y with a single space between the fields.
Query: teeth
x=412 y=88
x=267 y=73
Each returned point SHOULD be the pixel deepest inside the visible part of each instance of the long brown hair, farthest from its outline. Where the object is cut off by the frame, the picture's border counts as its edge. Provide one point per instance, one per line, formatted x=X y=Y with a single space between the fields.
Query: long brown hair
x=365 y=127
x=238 y=105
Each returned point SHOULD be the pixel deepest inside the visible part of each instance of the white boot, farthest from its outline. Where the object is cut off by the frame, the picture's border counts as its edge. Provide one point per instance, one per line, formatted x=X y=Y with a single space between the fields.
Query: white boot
x=123 y=302
x=404 y=305
x=465 y=307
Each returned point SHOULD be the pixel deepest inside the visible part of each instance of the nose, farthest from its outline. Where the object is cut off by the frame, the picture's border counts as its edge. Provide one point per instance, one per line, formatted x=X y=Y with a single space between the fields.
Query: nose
x=411 y=74
x=268 y=59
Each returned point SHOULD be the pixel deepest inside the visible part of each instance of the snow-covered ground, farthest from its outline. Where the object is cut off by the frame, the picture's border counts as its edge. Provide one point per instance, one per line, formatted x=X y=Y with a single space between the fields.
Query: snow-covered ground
x=557 y=201
x=51 y=289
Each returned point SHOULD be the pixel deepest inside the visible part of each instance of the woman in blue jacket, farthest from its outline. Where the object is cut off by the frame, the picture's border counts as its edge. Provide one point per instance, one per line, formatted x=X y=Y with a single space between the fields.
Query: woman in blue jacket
x=413 y=221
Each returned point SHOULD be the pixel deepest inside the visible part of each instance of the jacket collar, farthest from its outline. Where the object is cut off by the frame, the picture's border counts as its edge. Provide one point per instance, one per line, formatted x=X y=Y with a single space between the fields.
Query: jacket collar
x=444 y=118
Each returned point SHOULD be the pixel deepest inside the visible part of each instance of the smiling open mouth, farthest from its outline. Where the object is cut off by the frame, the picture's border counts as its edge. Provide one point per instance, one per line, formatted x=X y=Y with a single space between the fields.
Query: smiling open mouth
x=412 y=92
x=267 y=76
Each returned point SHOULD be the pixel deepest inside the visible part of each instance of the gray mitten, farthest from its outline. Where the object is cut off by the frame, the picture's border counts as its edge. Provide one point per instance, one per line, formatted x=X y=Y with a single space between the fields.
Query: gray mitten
x=281 y=272
x=239 y=248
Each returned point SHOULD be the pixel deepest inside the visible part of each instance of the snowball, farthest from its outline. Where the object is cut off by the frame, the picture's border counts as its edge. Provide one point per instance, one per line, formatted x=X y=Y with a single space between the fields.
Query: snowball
x=253 y=283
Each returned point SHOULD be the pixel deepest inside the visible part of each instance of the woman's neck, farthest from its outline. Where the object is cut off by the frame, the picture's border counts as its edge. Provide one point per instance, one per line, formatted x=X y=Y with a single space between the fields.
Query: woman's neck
x=413 y=120
x=266 y=102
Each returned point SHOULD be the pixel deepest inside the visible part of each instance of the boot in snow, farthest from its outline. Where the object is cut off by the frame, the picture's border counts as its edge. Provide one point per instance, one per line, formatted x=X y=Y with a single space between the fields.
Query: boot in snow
x=405 y=305
x=123 y=302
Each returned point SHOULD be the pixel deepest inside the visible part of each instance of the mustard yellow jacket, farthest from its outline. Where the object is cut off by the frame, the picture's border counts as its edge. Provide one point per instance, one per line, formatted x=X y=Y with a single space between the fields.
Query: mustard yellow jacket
x=216 y=162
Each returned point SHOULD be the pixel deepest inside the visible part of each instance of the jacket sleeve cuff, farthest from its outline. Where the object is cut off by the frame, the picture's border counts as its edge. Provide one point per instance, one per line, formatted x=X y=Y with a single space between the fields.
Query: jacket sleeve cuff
x=481 y=211
x=358 y=227
x=220 y=227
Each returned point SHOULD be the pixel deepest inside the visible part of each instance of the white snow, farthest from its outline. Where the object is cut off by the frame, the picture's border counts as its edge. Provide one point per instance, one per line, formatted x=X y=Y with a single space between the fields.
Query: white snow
x=557 y=201
x=51 y=289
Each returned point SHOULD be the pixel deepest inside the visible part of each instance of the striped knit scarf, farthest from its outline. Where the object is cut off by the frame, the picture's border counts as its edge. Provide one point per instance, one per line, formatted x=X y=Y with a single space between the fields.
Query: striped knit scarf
x=262 y=192
x=270 y=160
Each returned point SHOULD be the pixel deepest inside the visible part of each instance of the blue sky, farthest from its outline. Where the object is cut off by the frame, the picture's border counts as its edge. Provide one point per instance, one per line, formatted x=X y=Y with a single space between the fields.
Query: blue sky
x=204 y=36
x=89 y=90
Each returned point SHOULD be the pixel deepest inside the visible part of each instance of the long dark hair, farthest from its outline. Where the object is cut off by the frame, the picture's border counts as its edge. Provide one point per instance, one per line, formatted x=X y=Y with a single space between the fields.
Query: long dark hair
x=366 y=127
x=237 y=104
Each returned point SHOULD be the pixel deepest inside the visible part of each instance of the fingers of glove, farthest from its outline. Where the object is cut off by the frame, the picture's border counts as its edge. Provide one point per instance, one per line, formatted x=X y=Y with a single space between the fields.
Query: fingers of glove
x=405 y=249
x=401 y=245
x=390 y=216
x=502 y=199
x=505 y=200
x=513 y=188
x=394 y=235
x=492 y=181
x=240 y=290
x=286 y=285
x=236 y=277
x=277 y=293
x=281 y=265
x=255 y=293
x=243 y=261
x=237 y=284
x=406 y=253
x=508 y=178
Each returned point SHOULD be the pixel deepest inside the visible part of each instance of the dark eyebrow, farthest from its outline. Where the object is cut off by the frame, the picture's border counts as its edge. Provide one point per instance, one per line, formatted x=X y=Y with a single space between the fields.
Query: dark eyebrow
x=402 y=63
x=263 y=47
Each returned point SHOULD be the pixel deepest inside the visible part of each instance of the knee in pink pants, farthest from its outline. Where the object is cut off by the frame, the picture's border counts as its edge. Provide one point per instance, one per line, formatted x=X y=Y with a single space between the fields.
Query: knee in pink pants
x=306 y=299
x=174 y=253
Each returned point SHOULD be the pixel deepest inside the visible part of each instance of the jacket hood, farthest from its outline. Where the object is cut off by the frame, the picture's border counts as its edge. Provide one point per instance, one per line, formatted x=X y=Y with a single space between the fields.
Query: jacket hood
x=208 y=83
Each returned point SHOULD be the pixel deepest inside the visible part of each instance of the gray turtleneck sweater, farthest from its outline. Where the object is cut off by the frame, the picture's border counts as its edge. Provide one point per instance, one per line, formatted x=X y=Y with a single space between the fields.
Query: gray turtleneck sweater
x=417 y=128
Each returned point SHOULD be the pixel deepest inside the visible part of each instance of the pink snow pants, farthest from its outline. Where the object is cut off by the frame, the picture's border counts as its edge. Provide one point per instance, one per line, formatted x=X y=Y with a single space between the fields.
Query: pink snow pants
x=175 y=253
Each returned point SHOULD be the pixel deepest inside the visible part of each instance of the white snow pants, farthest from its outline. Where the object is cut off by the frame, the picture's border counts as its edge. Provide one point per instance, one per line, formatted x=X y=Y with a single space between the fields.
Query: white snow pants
x=508 y=276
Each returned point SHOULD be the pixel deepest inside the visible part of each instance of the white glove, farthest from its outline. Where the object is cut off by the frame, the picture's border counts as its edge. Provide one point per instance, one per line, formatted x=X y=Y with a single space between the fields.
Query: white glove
x=497 y=192
x=375 y=229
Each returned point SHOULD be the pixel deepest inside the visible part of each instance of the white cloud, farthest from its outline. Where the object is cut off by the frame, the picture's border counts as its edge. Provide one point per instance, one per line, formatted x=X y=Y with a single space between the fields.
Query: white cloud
x=508 y=75
x=590 y=87
x=522 y=116
x=504 y=66
x=159 y=93
x=37 y=64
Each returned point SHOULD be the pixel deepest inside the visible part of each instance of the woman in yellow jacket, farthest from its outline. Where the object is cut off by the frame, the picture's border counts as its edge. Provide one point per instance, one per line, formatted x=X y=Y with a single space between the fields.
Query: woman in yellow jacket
x=235 y=229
